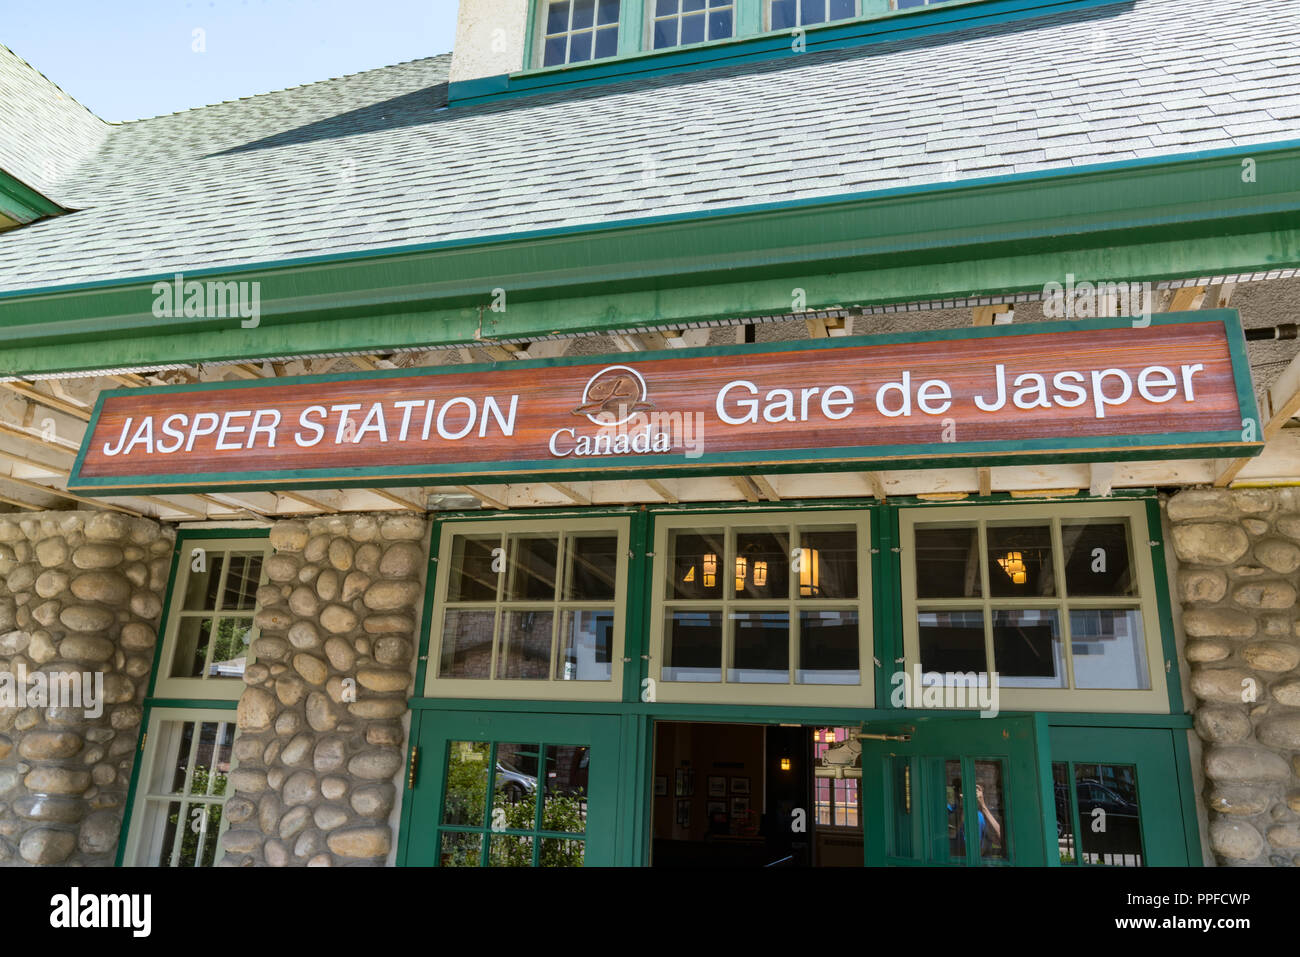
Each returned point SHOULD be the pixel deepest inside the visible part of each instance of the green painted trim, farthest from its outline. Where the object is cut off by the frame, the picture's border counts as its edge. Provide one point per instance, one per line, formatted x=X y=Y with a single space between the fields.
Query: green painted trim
x=640 y=605
x=21 y=203
x=1168 y=636
x=430 y=595
x=130 y=791
x=1046 y=788
x=996 y=235
x=1091 y=719
x=162 y=620
x=1174 y=444
x=752 y=44
x=1187 y=796
x=194 y=703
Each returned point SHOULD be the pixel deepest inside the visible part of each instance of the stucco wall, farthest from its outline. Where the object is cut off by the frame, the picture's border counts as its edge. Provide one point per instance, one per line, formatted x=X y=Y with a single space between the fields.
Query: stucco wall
x=490 y=37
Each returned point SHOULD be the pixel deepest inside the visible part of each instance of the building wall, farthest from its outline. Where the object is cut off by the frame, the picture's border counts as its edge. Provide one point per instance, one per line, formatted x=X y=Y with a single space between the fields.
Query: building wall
x=490 y=37
x=323 y=718
x=79 y=592
x=1238 y=576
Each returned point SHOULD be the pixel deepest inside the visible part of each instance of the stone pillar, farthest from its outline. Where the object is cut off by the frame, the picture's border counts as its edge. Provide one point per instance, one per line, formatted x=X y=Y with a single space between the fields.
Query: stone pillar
x=321 y=745
x=1239 y=554
x=80 y=594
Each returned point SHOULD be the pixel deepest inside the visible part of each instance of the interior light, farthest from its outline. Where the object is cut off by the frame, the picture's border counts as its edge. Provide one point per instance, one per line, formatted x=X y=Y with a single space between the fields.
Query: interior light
x=742 y=569
x=810 y=579
x=1014 y=566
x=760 y=574
x=709 y=565
x=785 y=764
x=690 y=575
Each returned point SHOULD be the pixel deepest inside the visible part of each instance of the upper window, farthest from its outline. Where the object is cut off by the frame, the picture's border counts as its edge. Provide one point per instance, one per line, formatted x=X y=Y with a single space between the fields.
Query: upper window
x=678 y=22
x=209 y=628
x=788 y=14
x=574 y=31
x=1059 y=604
x=770 y=607
x=529 y=610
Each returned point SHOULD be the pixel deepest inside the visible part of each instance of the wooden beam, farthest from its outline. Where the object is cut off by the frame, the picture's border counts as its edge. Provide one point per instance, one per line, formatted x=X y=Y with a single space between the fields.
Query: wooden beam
x=1101 y=475
x=746 y=488
x=20 y=504
x=655 y=341
x=310 y=502
x=985 y=476
x=766 y=487
x=1187 y=298
x=877 y=485
x=484 y=497
x=1044 y=492
x=659 y=489
x=626 y=343
x=69 y=449
x=60 y=493
x=229 y=501
x=570 y=494
x=942 y=496
x=1281 y=403
x=59 y=405
x=396 y=499
x=174 y=506
x=129 y=379
x=991 y=315
x=816 y=328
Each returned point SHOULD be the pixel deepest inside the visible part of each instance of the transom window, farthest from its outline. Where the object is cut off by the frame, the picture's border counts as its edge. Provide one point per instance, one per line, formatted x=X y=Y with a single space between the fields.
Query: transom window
x=1057 y=604
x=530 y=609
x=777 y=600
x=678 y=22
x=788 y=14
x=574 y=31
x=209 y=627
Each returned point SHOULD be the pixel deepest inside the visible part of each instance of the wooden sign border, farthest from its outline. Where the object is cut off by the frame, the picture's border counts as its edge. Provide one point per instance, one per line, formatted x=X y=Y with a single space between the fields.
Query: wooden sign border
x=1166 y=445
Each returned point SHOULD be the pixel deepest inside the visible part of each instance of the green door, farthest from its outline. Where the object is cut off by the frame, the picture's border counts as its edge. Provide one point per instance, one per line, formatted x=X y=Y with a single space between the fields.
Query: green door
x=1118 y=799
x=952 y=790
x=513 y=790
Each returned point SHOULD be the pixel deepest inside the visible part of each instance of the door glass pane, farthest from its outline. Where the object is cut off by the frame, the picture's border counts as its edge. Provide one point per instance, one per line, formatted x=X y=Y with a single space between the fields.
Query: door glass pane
x=956 y=830
x=1109 y=826
x=828 y=563
x=593 y=563
x=465 y=801
x=230 y=648
x=531 y=566
x=557 y=852
x=902 y=830
x=760 y=647
x=509 y=850
x=1064 y=815
x=693 y=646
x=1097 y=561
x=762 y=567
x=695 y=564
x=565 y=807
x=471 y=577
x=212 y=757
x=241 y=582
x=586 y=638
x=1027 y=650
x=514 y=797
x=192 y=640
x=989 y=809
x=466 y=644
x=1109 y=649
x=828 y=648
x=952 y=641
x=460 y=849
x=201 y=586
x=947 y=562
x=526 y=645
x=1020 y=561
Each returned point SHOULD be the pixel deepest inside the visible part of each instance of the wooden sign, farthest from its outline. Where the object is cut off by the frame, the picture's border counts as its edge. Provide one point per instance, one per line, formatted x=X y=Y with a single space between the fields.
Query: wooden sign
x=1062 y=391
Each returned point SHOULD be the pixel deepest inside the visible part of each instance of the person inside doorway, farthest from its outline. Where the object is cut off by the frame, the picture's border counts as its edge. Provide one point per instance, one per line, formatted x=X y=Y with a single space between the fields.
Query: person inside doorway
x=989 y=825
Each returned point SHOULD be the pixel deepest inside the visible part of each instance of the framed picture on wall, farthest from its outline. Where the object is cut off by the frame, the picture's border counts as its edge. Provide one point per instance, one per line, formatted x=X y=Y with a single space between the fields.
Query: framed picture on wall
x=661 y=785
x=716 y=809
x=717 y=786
x=740 y=785
x=739 y=807
x=683 y=813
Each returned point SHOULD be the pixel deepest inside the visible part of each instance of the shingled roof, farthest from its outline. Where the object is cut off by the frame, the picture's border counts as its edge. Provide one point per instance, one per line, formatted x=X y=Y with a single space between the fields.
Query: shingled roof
x=376 y=160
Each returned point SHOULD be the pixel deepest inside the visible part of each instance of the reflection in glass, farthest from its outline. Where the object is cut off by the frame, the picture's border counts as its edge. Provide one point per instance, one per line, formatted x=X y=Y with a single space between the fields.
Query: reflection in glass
x=760 y=647
x=952 y=641
x=695 y=564
x=1027 y=650
x=465 y=799
x=1020 y=561
x=693 y=646
x=466 y=644
x=201 y=587
x=460 y=849
x=955 y=821
x=762 y=567
x=514 y=789
x=557 y=852
x=828 y=648
x=241 y=582
x=526 y=645
x=1064 y=814
x=230 y=648
x=471 y=577
x=989 y=810
x=565 y=806
x=1109 y=649
x=592 y=565
x=829 y=563
x=1110 y=829
x=510 y=850
x=1097 y=560
x=531 y=567
x=586 y=640
x=192 y=639
x=947 y=562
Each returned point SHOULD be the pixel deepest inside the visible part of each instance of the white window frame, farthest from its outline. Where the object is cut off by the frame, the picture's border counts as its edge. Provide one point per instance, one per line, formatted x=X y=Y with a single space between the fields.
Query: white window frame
x=207 y=688
x=1154 y=700
x=650 y=20
x=860 y=695
x=159 y=738
x=541 y=8
x=523 y=688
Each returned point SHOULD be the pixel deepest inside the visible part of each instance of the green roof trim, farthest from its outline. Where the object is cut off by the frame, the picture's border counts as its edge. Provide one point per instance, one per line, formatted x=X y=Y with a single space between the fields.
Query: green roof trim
x=23 y=204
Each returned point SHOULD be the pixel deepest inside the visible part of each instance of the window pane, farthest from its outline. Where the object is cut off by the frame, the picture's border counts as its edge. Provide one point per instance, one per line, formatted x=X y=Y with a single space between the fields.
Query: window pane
x=606 y=45
x=201 y=587
x=557 y=17
x=465 y=801
x=177 y=744
x=560 y=853
x=720 y=24
x=192 y=639
x=507 y=850
x=947 y=562
x=1109 y=649
x=664 y=8
x=212 y=758
x=584 y=14
x=989 y=804
x=461 y=850
x=1027 y=650
x=842 y=9
x=814 y=11
x=580 y=47
x=466 y=644
x=689 y=6
x=593 y=564
x=471 y=577
x=783 y=14
x=695 y=564
x=586 y=640
x=955 y=848
x=514 y=798
x=565 y=806
x=952 y=641
x=693 y=28
x=828 y=563
x=1064 y=816
x=164 y=817
x=1097 y=561
x=1110 y=829
x=608 y=11
x=693 y=646
x=530 y=567
x=762 y=566
x=555 y=48
x=1020 y=561
x=230 y=648
x=665 y=33
x=526 y=645
x=828 y=648
x=241 y=582
x=760 y=647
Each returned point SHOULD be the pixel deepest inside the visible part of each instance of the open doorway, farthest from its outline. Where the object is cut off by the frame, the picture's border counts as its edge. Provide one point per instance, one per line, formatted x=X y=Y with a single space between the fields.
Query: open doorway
x=746 y=795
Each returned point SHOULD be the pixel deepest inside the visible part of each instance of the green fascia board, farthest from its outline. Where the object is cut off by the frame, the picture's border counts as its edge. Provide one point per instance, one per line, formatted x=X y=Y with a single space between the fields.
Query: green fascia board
x=952 y=17
x=1141 y=220
x=1218 y=444
x=22 y=204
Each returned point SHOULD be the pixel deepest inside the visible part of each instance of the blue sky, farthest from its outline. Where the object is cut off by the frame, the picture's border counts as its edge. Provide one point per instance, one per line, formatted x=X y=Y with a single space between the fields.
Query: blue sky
x=127 y=59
